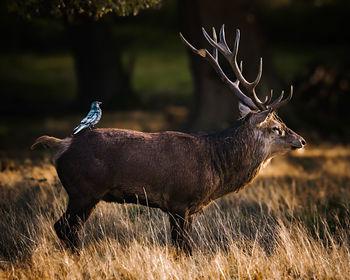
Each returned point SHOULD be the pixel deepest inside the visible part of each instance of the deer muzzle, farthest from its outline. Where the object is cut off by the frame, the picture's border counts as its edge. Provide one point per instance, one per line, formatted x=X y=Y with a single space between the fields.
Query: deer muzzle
x=299 y=143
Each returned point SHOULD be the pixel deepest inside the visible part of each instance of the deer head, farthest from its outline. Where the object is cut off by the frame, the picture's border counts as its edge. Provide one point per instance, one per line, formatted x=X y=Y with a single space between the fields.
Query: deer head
x=259 y=117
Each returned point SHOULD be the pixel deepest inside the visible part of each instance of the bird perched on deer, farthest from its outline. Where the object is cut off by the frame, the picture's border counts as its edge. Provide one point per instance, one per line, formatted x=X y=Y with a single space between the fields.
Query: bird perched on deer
x=92 y=118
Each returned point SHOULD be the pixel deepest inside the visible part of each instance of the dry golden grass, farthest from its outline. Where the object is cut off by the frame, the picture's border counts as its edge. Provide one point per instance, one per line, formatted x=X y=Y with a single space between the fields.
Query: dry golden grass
x=293 y=222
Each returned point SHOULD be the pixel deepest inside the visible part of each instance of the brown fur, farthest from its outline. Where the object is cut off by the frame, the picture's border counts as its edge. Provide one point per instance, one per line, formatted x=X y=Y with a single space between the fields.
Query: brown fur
x=176 y=172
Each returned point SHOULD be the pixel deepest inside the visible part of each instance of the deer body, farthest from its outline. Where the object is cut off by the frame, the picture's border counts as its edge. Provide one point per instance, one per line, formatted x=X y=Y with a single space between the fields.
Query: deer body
x=177 y=172
x=168 y=170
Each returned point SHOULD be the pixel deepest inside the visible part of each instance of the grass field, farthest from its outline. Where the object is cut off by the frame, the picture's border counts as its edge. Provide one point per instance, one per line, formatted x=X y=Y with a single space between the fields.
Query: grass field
x=293 y=222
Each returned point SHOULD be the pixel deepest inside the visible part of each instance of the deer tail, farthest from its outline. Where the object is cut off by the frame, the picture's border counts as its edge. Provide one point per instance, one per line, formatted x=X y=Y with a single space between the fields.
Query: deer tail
x=46 y=141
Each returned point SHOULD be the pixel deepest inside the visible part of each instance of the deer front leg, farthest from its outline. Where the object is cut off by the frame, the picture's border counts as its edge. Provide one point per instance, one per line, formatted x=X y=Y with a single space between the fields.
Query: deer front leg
x=68 y=226
x=180 y=228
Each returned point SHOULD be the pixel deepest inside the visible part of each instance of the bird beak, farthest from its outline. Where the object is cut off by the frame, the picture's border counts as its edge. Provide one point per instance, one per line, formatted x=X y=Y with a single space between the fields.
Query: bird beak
x=99 y=103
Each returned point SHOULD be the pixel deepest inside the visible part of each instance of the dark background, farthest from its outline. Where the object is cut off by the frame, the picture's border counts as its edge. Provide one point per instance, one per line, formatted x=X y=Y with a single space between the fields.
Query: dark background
x=52 y=66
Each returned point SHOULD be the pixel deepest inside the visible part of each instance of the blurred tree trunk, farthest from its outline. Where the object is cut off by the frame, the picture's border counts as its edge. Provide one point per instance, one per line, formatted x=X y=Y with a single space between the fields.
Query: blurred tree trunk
x=98 y=63
x=214 y=104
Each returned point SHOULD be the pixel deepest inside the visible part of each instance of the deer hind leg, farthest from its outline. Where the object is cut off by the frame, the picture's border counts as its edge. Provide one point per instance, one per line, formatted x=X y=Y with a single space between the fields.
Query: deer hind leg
x=68 y=226
x=180 y=227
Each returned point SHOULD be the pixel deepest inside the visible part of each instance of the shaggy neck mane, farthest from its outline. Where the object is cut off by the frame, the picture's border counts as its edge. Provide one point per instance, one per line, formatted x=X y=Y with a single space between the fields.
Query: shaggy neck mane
x=237 y=155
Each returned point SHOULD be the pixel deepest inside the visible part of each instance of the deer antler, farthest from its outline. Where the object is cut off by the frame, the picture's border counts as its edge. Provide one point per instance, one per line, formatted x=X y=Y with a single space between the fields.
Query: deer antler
x=213 y=60
x=231 y=56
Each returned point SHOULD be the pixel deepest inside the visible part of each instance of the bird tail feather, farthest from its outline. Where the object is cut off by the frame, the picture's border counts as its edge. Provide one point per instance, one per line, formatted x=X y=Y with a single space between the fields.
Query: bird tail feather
x=46 y=141
x=78 y=129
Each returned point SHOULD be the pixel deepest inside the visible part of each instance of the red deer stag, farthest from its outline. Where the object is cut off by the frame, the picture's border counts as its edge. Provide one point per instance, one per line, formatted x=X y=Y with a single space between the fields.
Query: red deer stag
x=177 y=172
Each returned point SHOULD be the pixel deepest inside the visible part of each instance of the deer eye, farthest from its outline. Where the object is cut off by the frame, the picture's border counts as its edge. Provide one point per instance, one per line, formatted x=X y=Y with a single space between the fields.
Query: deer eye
x=277 y=131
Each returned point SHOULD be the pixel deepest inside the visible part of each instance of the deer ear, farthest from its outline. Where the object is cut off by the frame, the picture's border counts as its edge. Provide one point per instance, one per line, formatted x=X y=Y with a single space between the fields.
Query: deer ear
x=243 y=109
x=259 y=118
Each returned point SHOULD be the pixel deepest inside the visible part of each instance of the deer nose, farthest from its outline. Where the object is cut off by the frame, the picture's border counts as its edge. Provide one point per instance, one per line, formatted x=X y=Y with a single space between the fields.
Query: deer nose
x=299 y=143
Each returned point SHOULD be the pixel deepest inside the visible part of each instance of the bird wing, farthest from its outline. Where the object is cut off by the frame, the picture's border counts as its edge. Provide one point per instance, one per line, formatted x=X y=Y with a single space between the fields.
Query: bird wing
x=93 y=118
x=88 y=117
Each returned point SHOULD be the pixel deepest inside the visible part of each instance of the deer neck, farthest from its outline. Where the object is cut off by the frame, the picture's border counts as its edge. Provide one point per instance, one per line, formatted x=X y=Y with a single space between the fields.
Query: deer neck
x=237 y=156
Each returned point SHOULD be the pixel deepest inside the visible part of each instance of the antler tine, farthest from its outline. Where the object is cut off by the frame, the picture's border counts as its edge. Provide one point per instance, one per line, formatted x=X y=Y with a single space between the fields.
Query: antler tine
x=233 y=62
x=279 y=102
x=268 y=98
x=241 y=69
x=215 y=50
x=250 y=87
x=253 y=86
x=223 y=37
x=214 y=63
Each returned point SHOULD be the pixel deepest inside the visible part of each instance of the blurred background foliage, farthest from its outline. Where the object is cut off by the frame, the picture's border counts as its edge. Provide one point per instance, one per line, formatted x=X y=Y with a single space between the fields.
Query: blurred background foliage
x=93 y=8
x=58 y=56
